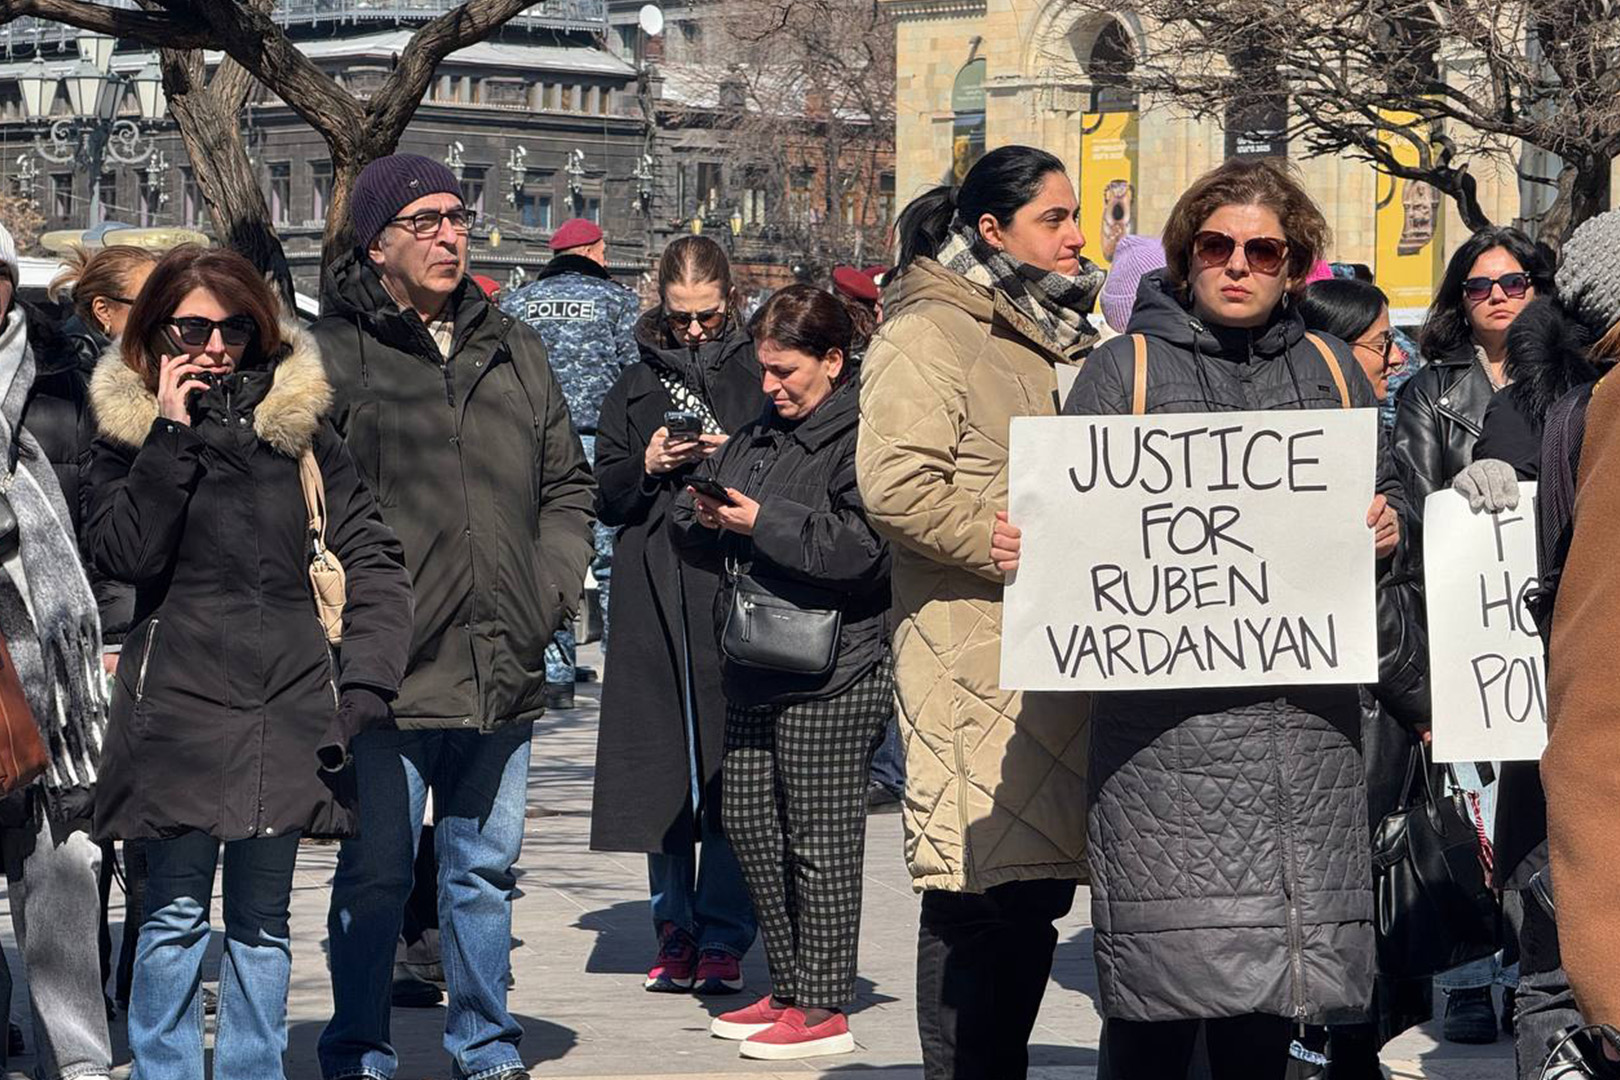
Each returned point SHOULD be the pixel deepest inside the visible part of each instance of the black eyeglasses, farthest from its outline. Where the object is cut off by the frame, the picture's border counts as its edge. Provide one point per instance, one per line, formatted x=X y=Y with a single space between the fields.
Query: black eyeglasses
x=709 y=320
x=425 y=226
x=196 y=330
x=1514 y=286
x=118 y=299
x=1264 y=254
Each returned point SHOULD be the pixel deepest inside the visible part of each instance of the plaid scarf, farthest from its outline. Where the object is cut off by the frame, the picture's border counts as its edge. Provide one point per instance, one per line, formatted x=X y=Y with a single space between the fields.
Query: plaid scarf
x=1056 y=302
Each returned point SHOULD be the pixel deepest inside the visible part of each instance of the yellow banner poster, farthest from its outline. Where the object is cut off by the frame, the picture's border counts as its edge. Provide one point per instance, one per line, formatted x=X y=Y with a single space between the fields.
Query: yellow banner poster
x=1108 y=148
x=1409 y=256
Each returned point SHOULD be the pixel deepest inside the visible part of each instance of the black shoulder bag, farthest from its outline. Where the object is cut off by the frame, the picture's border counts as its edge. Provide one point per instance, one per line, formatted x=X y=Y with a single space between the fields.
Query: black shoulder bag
x=1434 y=907
x=779 y=624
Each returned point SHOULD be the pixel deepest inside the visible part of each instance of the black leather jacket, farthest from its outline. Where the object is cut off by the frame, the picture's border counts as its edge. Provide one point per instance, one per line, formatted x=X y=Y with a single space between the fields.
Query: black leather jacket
x=1438 y=418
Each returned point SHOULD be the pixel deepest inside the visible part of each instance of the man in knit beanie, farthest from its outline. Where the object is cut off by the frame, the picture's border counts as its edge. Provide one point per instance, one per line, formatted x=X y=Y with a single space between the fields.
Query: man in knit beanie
x=457 y=423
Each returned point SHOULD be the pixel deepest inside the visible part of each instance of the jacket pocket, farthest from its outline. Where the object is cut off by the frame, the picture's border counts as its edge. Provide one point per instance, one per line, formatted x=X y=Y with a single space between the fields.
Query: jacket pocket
x=368 y=432
x=141 y=673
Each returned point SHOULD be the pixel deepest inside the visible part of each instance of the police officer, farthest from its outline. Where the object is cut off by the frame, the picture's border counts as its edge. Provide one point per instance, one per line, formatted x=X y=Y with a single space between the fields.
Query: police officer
x=588 y=323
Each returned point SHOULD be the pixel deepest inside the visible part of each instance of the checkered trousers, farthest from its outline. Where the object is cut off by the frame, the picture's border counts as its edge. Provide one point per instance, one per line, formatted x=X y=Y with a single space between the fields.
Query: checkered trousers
x=794 y=782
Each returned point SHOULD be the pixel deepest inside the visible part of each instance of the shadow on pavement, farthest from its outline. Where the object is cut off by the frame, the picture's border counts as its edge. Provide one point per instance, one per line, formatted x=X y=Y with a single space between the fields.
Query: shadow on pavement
x=1039 y=1056
x=624 y=939
x=418 y=1036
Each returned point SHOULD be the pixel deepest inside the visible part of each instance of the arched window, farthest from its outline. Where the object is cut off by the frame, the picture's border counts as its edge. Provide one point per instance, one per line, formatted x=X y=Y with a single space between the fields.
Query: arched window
x=967 y=125
x=1110 y=63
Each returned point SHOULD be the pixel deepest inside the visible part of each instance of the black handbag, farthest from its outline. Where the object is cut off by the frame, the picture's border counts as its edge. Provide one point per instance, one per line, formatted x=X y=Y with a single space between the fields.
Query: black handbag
x=779 y=625
x=1433 y=904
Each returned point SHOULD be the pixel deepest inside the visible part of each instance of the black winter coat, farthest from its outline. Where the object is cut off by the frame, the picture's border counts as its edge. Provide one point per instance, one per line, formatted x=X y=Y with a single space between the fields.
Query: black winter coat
x=1231 y=869
x=811 y=528
x=660 y=606
x=58 y=415
x=477 y=467
x=1439 y=414
x=226 y=686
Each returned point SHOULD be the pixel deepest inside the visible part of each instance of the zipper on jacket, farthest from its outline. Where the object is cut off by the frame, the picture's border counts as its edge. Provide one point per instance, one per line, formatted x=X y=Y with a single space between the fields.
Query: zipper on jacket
x=146 y=660
x=1296 y=930
x=331 y=665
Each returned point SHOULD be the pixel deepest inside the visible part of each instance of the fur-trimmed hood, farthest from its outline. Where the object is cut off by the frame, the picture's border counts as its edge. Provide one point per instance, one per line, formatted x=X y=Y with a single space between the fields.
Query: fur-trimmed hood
x=286 y=419
x=1548 y=356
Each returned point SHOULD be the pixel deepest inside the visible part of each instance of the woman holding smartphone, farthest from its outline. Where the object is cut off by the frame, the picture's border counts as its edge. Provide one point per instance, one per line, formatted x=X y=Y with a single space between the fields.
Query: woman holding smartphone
x=663 y=713
x=231 y=715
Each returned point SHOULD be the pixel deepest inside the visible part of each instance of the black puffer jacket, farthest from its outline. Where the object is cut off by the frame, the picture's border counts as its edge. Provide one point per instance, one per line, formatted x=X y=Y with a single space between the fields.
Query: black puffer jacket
x=1439 y=414
x=661 y=607
x=1231 y=872
x=477 y=467
x=226 y=687
x=811 y=529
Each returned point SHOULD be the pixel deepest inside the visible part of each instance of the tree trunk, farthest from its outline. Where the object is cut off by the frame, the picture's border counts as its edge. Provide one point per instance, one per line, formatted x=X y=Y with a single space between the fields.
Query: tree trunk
x=1583 y=188
x=208 y=118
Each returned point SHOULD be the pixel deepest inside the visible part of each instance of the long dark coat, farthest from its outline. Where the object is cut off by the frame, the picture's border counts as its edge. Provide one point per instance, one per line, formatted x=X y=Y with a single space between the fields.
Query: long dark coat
x=226 y=687
x=643 y=800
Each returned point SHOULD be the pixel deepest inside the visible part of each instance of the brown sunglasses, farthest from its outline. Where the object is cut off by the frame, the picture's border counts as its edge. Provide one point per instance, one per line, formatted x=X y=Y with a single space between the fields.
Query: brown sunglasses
x=1264 y=254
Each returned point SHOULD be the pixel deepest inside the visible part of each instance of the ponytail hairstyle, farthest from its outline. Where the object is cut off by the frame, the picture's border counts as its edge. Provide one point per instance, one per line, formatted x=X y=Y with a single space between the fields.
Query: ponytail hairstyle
x=697 y=260
x=999 y=184
x=106 y=274
x=812 y=321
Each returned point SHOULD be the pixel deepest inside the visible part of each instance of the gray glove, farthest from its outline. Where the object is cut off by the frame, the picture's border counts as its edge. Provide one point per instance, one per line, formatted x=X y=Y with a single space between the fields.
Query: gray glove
x=1489 y=485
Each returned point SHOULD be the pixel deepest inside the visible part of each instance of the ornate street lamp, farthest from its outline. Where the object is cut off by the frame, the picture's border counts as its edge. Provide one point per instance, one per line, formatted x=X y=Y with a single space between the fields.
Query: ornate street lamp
x=575 y=170
x=517 y=172
x=33 y=83
x=644 y=177
x=453 y=159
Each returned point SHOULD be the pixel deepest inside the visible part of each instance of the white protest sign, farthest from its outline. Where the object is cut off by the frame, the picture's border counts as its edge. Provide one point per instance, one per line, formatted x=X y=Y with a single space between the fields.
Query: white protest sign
x=1191 y=550
x=1487 y=666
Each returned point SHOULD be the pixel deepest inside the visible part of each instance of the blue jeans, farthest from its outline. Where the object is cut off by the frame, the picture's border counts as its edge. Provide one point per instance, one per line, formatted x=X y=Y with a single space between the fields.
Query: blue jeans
x=561 y=653
x=165 y=1008
x=703 y=893
x=479 y=783
x=889 y=763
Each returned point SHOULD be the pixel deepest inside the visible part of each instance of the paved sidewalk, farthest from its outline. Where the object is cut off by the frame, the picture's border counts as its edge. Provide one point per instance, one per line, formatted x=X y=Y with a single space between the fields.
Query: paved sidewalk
x=586 y=938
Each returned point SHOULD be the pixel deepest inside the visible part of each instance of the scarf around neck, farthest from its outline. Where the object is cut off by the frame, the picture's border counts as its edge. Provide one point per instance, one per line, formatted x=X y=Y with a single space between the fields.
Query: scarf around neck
x=48 y=614
x=1058 y=303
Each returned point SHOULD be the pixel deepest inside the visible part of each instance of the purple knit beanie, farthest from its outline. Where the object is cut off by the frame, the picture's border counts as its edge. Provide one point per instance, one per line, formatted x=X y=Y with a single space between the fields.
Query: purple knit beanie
x=1134 y=258
x=389 y=184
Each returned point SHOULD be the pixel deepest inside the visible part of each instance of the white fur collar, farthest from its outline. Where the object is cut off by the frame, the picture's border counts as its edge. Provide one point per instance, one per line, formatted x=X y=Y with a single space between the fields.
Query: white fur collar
x=287 y=418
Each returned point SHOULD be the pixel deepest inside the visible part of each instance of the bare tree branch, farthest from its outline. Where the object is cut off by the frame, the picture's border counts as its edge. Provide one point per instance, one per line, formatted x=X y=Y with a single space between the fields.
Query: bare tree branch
x=181 y=31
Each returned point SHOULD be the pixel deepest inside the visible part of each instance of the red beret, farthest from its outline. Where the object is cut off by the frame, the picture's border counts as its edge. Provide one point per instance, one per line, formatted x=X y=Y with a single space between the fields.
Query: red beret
x=575 y=232
x=855 y=285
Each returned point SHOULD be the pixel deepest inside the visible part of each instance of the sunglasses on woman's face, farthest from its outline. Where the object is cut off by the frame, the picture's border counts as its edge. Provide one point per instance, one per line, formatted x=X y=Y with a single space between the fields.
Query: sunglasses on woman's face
x=195 y=330
x=709 y=320
x=1514 y=286
x=1264 y=254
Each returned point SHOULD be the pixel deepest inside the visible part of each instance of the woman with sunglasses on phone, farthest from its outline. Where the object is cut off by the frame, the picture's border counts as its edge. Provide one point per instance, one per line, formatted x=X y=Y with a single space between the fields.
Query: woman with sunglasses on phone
x=1439 y=416
x=662 y=726
x=1245 y=902
x=231 y=715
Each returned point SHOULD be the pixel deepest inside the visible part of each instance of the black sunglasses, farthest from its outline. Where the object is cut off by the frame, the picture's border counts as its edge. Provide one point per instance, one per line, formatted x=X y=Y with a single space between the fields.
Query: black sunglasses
x=709 y=320
x=196 y=330
x=1514 y=286
x=1264 y=254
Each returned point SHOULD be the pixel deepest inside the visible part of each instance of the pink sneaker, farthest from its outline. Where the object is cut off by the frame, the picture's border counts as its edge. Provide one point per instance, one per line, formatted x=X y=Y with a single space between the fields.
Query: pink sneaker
x=671 y=972
x=791 y=1038
x=718 y=972
x=750 y=1020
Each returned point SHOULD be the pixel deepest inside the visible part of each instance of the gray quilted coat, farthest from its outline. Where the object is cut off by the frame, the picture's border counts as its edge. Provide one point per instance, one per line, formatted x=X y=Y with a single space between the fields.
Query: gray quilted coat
x=1228 y=831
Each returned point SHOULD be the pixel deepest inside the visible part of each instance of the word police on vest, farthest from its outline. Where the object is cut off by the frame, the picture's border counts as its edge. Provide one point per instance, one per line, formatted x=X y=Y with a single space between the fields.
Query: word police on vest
x=560 y=311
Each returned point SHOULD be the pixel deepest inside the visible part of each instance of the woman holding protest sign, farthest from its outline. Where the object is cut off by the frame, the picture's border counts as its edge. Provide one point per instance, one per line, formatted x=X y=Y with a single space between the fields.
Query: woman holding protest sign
x=1488 y=284
x=1273 y=929
x=989 y=303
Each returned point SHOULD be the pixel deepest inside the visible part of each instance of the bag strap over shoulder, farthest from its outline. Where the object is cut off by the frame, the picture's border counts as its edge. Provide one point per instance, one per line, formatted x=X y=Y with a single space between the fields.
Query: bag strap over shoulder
x=1333 y=369
x=1139 y=379
x=309 y=478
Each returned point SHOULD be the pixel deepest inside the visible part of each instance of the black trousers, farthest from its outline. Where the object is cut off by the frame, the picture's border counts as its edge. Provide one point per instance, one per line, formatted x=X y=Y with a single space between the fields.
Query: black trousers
x=982 y=964
x=1252 y=1047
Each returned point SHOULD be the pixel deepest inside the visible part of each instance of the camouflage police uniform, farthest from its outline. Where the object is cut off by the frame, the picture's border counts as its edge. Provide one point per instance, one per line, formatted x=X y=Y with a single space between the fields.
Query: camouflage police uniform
x=588 y=324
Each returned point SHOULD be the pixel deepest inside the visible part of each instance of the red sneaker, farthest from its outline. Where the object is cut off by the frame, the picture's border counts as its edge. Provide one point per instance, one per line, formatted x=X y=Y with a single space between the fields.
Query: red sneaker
x=791 y=1038
x=671 y=972
x=718 y=972
x=750 y=1020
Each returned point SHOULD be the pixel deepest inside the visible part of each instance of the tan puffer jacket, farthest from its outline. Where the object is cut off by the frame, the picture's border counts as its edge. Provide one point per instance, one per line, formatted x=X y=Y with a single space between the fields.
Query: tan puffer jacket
x=996 y=781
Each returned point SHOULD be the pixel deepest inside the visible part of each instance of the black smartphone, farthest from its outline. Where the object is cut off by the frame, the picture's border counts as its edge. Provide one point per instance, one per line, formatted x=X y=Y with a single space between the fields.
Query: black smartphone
x=684 y=426
x=716 y=491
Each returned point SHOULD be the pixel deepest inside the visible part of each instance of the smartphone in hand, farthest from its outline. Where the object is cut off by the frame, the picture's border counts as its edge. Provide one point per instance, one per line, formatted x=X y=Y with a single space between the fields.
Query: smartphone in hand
x=683 y=425
x=711 y=489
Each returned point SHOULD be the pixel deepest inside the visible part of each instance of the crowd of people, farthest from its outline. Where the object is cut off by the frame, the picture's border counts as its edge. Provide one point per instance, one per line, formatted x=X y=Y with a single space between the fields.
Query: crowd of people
x=268 y=582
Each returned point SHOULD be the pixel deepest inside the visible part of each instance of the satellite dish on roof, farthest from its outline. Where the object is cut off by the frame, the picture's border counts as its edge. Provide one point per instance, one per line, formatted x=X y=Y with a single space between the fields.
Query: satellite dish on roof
x=651 y=20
